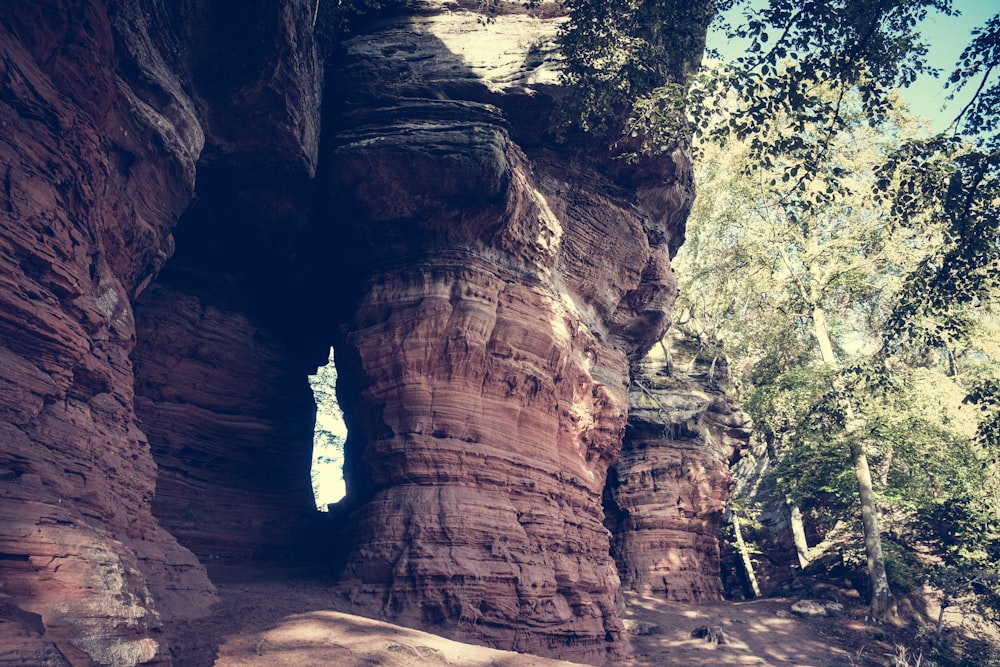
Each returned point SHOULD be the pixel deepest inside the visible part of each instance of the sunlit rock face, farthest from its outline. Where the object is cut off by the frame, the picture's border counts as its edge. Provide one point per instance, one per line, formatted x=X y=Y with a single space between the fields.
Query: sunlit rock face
x=505 y=282
x=668 y=489
x=488 y=290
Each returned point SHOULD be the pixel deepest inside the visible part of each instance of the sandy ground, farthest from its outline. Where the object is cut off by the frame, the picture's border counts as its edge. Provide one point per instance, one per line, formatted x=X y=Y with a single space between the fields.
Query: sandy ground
x=759 y=632
x=293 y=620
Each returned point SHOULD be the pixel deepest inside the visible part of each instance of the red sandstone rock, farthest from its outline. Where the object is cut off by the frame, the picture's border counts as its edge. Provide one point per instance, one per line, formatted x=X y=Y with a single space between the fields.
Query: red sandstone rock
x=495 y=288
x=484 y=375
x=100 y=135
x=225 y=418
x=486 y=441
x=667 y=491
x=82 y=554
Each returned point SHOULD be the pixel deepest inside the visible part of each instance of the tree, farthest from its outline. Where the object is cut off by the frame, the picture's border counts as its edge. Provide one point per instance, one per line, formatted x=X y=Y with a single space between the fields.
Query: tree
x=811 y=72
x=620 y=56
x=631 y=70
x=801 y=297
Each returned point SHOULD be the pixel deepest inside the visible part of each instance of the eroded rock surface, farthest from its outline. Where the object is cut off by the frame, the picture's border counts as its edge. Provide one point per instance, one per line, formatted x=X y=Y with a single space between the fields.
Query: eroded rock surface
x=103 y=126
x=217 y=397
x=488 y=289
x=82 y=554
x=485 y=373
x=667 y=491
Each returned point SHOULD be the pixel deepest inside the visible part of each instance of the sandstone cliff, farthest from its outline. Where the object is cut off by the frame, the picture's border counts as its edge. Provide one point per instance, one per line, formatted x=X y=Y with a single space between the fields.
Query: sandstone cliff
x=667 y=492
x=106 y=110
x=488 y=289
x=485 y=371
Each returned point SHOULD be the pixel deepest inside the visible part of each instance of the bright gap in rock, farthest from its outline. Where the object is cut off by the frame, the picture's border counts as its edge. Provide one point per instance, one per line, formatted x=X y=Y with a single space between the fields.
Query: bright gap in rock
x=328 y=438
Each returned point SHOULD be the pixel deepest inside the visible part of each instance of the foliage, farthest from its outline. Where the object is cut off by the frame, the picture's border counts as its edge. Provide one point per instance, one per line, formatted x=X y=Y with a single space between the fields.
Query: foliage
x=846 y=45
x=784 y=411
x=805 y=60
x=986 y=395
x=783 y=252
x=637 y=60
x=977 y=66
x=901 y=567
x=965 y=531
x=961 y=185
x=633 y=60
x=334 y=19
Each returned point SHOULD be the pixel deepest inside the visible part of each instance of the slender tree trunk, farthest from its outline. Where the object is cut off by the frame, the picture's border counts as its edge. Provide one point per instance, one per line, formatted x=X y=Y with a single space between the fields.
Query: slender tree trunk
x=885 y=468
x=822 y=333
x=799 y=534
x=745 y=555
x=945 y=603
x=881 y=605
x=667 y=357
x=881 y=602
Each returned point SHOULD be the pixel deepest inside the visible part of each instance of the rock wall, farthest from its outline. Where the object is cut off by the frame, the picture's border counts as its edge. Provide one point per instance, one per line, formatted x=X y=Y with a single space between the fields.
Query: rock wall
x=94 y=179
x=668 y=490
x=106 y=110
x=776 y=560
x=484 y=374
x=231 y=426
x=488 y=289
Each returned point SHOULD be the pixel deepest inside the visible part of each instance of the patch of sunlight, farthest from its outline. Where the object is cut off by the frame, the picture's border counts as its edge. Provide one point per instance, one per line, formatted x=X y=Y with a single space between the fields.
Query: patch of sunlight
x=516 y=51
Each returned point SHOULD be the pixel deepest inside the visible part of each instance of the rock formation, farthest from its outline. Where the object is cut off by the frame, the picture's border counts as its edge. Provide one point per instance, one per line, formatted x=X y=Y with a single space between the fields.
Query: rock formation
x=489 y=292
x=485 y=372
x=94 y=178
x=668 y=489
x=231 y=426
x=103 y=125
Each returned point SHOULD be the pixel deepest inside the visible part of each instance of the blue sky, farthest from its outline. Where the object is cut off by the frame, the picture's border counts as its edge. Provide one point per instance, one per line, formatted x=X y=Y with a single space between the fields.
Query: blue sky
x=946 y=37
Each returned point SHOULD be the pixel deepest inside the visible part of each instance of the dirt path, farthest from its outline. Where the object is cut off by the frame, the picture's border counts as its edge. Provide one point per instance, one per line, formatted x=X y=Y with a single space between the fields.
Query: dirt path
x=293 y=620
x=760 y=632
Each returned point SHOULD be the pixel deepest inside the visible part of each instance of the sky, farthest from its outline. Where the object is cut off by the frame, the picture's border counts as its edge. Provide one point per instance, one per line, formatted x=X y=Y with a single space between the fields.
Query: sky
x=946 y=36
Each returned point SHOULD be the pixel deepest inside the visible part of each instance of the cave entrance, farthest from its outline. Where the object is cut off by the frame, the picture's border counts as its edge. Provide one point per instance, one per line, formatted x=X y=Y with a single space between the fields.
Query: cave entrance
x=329 y=436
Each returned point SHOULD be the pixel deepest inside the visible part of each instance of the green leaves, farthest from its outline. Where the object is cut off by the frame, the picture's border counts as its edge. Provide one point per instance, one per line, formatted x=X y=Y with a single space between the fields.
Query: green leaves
x=787 y=242
x=945 y=179
x=624 y=62
x=985 y=394
x=802 y=58
x=979 y=66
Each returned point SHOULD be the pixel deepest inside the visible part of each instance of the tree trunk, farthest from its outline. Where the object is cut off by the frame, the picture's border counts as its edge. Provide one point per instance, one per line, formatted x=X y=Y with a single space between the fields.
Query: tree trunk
x=745 y=555
x=822 y=334
x=945 y=603
x=881 y=603
x=799 y=534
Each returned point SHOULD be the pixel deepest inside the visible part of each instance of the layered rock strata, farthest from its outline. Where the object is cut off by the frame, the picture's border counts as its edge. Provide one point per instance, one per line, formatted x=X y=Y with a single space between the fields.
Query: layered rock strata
x=488 y=290
x=103 y=127
x=231 y=426
x=667 y=491
x=82 y=555
x=484 y=375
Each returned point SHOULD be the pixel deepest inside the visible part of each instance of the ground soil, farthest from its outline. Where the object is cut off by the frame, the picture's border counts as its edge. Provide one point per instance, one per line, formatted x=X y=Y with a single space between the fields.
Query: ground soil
x=280 y=618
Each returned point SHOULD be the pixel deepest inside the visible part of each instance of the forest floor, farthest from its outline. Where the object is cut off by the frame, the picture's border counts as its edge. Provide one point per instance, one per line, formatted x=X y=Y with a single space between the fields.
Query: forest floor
x=295 y=619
